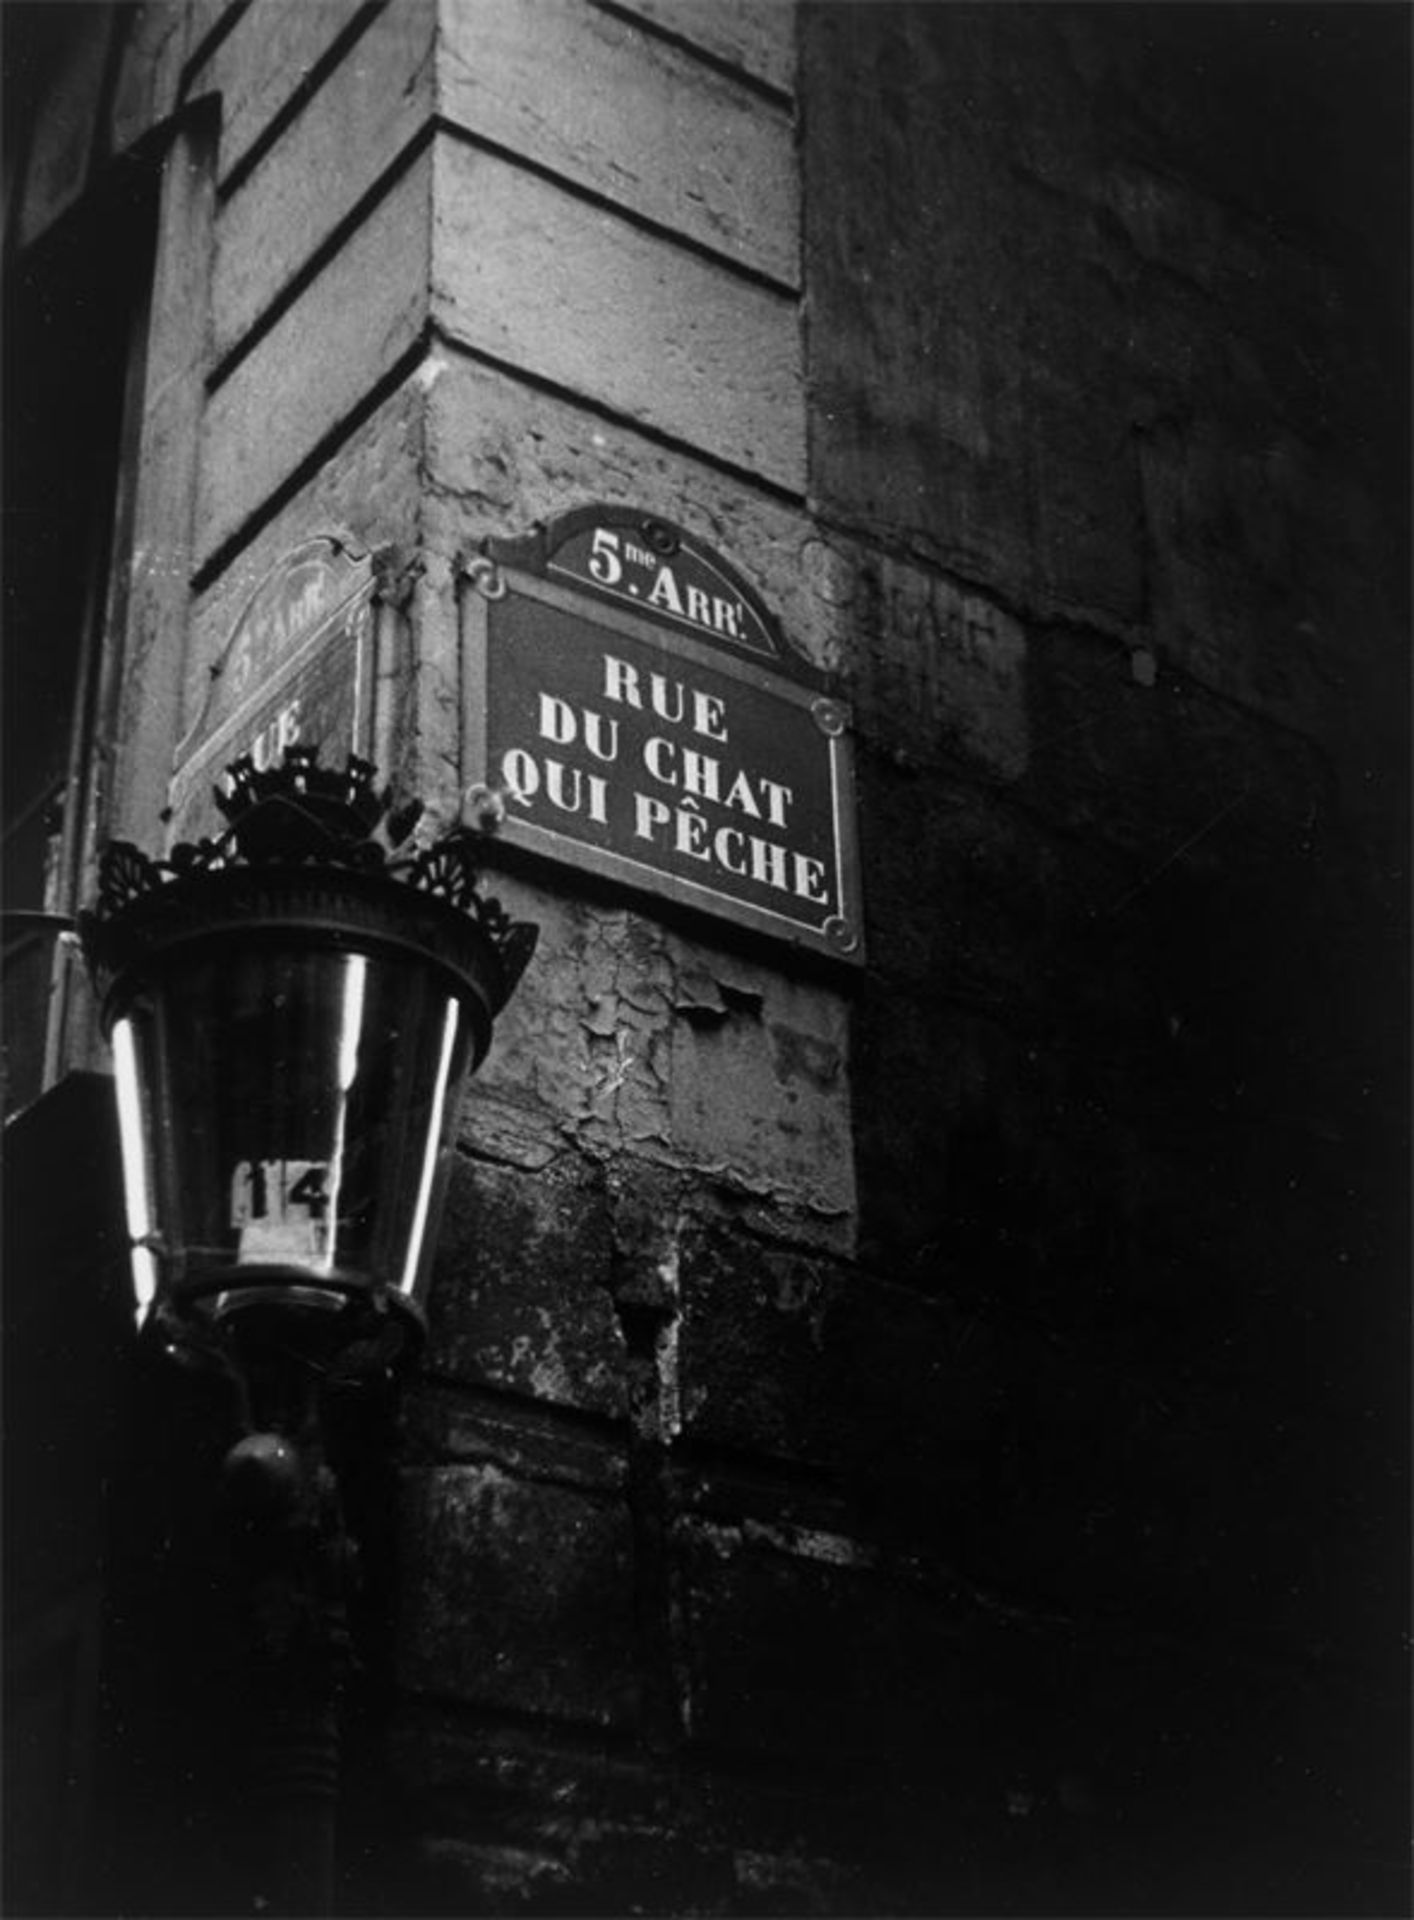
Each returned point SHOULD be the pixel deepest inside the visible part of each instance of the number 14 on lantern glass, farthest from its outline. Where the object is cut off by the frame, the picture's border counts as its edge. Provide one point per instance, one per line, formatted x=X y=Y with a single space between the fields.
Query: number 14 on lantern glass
x=281 y=1209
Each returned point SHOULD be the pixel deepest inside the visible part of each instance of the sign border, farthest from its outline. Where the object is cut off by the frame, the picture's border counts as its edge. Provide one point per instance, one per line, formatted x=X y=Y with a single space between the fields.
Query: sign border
x=482 y=582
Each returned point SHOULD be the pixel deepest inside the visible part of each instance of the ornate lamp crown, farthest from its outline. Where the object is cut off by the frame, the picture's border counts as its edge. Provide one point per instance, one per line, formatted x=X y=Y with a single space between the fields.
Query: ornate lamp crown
x=298 y=815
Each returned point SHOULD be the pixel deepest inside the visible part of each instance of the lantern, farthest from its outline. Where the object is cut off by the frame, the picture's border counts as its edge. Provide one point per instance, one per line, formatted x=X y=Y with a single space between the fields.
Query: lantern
x=293 y=1008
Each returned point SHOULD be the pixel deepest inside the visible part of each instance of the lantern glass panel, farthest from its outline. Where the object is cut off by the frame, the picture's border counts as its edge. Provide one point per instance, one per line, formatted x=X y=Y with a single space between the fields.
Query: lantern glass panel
x=293 y=1110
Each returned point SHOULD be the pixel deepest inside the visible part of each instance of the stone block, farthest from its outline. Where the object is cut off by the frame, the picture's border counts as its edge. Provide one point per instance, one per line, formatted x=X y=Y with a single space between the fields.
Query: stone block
x=1159 y=767
x=443 y=1425
x=509 y=1127
x=792 y=1654
x=1171 y=224
x=517 y=1596
x=1020 y=474
x=1015 y=925
x=264 y=60
x=890 y=1396
x=314 y=176
x=753 y=1369
x=1266 y=581
x=586 y=1865
x=975 y=1142
x=595 y=1825
x=520 y=1296
x=907 y=1392
x=935 y=671
x=1161 y=933
x=1251 y=116
x=206 y=20
x=760 y=39
x=298 y=386
x=635 y=119
x=525 y=274
x=498 y=474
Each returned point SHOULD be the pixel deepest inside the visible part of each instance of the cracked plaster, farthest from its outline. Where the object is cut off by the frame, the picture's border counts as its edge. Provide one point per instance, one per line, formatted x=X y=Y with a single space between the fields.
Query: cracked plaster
x=624 y=1038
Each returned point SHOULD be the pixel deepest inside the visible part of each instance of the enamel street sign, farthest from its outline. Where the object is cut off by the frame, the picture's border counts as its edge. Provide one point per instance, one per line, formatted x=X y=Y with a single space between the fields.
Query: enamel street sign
x=637 y=707
x=298 y=667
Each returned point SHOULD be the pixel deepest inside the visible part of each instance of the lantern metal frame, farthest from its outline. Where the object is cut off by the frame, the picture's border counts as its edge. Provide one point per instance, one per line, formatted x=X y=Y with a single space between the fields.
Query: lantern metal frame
x=313 y=861
x=318 y=864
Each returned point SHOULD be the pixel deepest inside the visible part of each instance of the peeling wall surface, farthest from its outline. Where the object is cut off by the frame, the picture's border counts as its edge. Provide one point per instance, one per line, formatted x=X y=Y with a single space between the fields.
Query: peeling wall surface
x=925 y=1439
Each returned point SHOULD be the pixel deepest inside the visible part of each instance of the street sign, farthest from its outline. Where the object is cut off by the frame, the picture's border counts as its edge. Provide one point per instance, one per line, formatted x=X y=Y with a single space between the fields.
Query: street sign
x=298 y=666
x=640 y=711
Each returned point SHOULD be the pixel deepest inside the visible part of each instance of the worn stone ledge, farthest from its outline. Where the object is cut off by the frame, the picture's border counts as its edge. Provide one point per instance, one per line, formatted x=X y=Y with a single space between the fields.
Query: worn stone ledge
x=519 y=1296
x=723 y=1831
x=763 y=1633
x=449 y=1425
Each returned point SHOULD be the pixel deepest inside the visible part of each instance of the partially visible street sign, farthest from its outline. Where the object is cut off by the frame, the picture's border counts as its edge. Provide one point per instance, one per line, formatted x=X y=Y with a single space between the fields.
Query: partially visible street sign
x=297 y=667
x=647 y=723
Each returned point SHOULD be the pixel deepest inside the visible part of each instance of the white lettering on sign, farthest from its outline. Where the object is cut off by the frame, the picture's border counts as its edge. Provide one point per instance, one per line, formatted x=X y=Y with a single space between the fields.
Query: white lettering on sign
x=272 y=626
x=614 y=560
x=567 y=789
x=700 y=774
x=696 y=805
x=667 y=698
x=660 y=760
x=687 y=830
x=561 y=726
x=267 y=747
x=297 y=669
x=285 y=609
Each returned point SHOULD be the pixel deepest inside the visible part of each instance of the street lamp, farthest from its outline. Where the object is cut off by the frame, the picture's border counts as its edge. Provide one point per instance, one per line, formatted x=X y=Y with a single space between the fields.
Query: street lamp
x=292 y=1008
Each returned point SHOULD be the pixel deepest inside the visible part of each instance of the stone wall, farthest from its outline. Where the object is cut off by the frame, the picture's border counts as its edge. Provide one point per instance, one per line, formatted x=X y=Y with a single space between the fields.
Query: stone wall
x=986 y=1540
x=935 y=1444
x=619 y=1462
x=1105 y=455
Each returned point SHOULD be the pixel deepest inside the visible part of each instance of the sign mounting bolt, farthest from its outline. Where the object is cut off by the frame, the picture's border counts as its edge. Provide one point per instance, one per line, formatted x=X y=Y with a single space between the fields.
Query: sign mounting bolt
x=485 y=576
x=663 y=539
